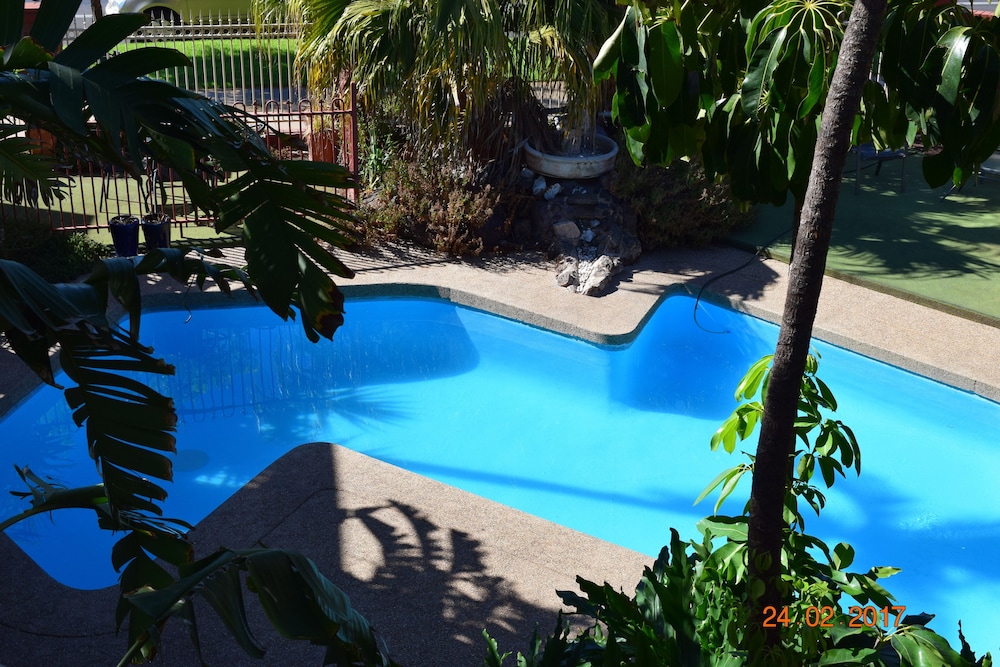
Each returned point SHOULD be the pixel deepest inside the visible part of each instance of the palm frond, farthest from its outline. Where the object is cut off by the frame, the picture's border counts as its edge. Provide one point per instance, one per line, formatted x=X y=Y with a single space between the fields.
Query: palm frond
x=28 y=172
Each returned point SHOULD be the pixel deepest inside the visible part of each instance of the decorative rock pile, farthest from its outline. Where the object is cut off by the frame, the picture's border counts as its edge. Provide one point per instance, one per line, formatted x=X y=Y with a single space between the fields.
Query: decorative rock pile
x=589 y=233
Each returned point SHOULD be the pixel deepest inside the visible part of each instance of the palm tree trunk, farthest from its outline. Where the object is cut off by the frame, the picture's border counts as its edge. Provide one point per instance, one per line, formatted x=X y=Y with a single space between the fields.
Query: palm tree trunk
x=770 y=477
x=796 y=219
x=95 y=8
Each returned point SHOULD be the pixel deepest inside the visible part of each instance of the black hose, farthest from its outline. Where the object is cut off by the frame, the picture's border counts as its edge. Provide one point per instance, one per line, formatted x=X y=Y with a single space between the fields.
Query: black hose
x=759 y=252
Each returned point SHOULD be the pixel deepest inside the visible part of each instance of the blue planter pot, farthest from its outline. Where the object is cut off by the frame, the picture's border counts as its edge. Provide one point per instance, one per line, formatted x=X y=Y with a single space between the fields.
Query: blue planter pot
x=156 y=230
x=125 y=235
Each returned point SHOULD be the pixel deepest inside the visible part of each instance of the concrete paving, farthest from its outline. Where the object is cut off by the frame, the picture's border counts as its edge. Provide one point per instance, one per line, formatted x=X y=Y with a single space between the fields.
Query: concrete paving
x=431 y=566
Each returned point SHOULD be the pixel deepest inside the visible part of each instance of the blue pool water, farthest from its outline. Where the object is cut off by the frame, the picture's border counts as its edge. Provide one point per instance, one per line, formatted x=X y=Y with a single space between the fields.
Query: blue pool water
x=611 y=441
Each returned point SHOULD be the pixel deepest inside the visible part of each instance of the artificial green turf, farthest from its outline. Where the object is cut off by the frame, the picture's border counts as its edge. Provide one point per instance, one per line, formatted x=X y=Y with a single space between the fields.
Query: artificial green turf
x=944 y=251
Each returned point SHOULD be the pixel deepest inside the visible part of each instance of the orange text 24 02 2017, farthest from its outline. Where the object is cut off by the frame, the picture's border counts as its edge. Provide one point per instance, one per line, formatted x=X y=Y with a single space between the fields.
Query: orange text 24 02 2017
x=823 y=617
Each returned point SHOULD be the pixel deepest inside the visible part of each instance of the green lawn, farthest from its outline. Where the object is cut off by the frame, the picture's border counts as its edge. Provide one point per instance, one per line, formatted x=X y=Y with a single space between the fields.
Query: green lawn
x=914 y=242
x=231 y=63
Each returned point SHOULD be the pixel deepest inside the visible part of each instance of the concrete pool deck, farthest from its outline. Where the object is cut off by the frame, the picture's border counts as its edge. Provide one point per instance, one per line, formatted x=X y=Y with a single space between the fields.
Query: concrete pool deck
x=430 y=566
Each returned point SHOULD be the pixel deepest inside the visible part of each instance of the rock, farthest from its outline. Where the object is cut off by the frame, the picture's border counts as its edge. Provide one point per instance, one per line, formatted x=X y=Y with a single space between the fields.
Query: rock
x=527 y=174
x=563 y=248
x=629 y=220
x=520 y=231
x=620 y=243
x=566 y=229
x=583 y=199
x=538 y=187
x=599 y=275
x=601 y=211
x=582 y=221
x=541 y=220
x=568 y=272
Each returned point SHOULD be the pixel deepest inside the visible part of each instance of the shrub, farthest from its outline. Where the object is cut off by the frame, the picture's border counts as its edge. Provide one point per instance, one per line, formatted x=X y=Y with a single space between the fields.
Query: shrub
x=380 y=141
x=431 y=204
x=675 y=205
x=56 y=256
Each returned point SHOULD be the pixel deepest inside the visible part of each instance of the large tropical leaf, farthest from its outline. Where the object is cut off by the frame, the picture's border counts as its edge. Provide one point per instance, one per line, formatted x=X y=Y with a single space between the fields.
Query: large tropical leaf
x=99 y=39
x=27 y=171
x=11 y=22
x=140 y=118
x=300 y=602
x=128 y=425
x=52 y=21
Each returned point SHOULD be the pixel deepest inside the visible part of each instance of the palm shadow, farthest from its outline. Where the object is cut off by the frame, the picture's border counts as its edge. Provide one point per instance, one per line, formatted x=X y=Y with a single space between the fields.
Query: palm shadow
x=427 y=583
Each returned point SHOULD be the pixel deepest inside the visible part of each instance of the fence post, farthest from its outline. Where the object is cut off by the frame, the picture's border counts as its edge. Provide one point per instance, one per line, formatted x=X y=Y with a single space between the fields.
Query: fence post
x=352 y=160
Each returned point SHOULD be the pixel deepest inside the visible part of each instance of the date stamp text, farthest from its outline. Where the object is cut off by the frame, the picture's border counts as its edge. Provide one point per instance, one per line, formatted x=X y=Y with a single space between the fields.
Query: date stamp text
x=822 y=617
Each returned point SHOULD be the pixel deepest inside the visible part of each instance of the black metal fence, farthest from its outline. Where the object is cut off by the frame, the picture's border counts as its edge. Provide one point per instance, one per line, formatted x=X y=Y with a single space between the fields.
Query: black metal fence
x=233 y=62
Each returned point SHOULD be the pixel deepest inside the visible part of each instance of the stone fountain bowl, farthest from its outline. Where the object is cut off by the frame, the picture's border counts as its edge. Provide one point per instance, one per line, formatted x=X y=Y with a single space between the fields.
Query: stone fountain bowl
x=574 y=166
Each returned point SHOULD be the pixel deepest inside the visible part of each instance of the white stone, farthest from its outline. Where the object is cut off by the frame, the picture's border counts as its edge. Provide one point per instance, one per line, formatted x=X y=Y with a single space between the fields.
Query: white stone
x=567 y=275
x=552 y=191
x=538 y=187
x=599 y=276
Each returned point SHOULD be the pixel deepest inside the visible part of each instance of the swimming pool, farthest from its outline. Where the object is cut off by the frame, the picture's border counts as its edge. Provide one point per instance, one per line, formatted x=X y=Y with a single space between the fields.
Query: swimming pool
x=612 y=441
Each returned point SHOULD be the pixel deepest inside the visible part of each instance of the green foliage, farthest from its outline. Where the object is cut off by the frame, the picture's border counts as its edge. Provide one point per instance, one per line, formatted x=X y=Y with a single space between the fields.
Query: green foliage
x=380 y=144
x=24 y=167
x=834 y=448
x=458 y=73
x=56 y=257
x=679 y=93
x=742 y=87
x=299 y=601
x=942 y=72
x=676 y=205
x=431 y=205
x=693 y=606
